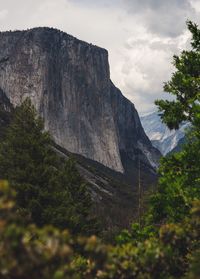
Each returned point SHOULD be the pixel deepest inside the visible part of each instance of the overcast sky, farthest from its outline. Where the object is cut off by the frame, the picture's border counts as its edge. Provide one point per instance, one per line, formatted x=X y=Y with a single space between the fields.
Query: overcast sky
x=140 y=35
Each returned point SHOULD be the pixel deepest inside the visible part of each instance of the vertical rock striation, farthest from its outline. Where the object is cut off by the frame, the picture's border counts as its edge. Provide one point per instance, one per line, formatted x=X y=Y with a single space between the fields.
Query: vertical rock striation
x=68 y=81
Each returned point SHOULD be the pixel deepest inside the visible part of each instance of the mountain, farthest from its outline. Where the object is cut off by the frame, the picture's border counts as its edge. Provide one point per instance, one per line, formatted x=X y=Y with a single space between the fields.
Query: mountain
x=68 y=81
x=5 y=112
x=178 y=147
x=161 y=137
x=114 y=194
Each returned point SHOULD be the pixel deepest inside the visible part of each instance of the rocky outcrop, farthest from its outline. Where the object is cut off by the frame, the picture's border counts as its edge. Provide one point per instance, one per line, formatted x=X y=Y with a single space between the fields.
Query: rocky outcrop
x=161 y=136
x=5 y=112
x=132 y=140
x=68 y=81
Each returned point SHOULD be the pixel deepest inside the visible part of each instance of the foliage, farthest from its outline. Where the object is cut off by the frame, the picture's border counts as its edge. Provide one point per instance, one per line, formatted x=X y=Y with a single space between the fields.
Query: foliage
x=51 y=253
x=184 y=86
x=49 y=189
x=136 y=233
x=165 y=245
x=179 y=182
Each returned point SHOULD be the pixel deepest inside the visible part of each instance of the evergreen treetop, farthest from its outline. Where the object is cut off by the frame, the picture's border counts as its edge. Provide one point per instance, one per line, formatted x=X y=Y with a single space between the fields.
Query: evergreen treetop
x=49 y=188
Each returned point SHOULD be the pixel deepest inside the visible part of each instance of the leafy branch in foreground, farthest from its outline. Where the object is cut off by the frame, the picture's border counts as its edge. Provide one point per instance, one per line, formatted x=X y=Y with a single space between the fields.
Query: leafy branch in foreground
x=51 y=253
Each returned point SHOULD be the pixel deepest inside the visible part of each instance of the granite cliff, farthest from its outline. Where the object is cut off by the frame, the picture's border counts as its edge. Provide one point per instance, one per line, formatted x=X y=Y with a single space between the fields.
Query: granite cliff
x=68 y=81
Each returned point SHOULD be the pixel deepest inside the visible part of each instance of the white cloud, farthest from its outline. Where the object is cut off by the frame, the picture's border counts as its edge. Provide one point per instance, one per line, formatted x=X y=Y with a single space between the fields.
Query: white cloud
x=166 y=18
x=195 y=4
x=3 y=14
x=145 y=65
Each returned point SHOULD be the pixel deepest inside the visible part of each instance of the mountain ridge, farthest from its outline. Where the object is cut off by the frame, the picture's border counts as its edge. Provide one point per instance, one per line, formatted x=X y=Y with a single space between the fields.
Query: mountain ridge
x=114 y=195
x=162 y=138
x=68 y=81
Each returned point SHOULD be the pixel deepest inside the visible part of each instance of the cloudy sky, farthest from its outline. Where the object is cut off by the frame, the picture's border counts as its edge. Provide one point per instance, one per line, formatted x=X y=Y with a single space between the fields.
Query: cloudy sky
x=140 y=35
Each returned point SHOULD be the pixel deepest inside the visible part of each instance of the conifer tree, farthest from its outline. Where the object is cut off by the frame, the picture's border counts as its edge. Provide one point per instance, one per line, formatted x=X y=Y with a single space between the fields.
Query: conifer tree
x=49 y=189
x=179 y=183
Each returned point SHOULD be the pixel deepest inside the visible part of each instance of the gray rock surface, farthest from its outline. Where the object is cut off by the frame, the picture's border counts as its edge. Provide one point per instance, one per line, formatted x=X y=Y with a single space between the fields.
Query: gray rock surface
x=68 y=82
x=161 y=137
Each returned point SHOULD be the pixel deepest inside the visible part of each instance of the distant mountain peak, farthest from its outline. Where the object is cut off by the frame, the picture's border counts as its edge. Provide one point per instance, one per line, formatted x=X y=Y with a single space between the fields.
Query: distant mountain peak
x=161 y=137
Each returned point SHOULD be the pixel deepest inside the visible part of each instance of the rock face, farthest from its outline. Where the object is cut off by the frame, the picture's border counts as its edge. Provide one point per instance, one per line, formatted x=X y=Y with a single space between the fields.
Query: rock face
x=161 y=137
x=5 y=112
x=68 y=82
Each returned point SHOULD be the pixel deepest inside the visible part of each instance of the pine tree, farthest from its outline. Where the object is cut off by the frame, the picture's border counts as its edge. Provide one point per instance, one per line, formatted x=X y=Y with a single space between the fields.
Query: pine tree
x=179 y=183
x=49 y=189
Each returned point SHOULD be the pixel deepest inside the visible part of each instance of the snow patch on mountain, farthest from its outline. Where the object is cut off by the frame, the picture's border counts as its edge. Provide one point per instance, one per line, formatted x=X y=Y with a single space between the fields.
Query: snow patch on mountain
x=161 y=137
